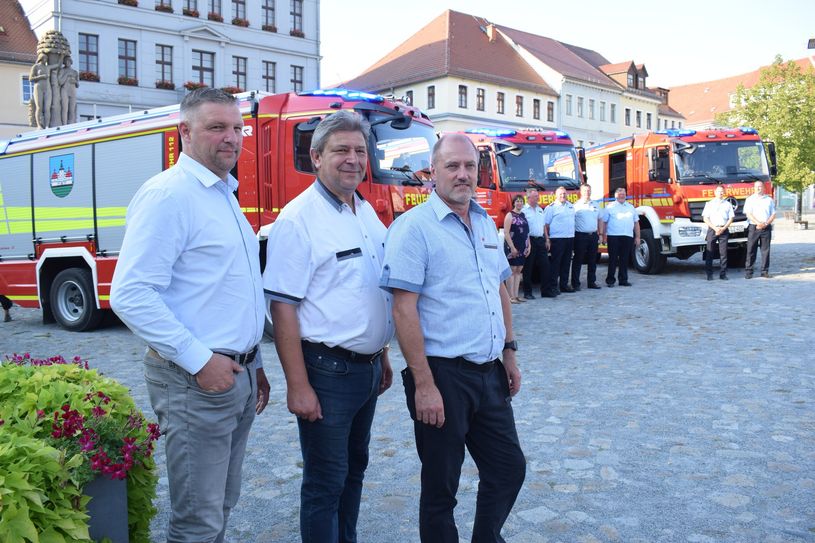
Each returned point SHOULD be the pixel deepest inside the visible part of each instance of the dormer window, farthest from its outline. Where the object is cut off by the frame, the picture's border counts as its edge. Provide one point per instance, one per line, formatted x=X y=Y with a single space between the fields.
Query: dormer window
x=631 y=80
x=641 y=82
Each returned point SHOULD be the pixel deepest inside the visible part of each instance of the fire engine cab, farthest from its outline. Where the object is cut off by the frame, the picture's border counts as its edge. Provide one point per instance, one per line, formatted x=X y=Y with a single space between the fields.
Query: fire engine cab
x=64 y=191
x=511 y=160
x=671 y=174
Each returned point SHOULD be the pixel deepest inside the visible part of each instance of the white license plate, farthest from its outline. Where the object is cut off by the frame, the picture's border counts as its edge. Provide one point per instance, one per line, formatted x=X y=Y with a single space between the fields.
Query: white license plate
x=736 y=229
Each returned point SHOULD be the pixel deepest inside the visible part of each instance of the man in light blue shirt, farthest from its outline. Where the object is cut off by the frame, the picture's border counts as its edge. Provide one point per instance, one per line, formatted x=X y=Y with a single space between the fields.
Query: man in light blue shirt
x=558 y=218
x=717 y=214
x=587 y=229
x=622 y=224
x=760 y=211
x=444 y=264
x=188 y=283
x=538 y=258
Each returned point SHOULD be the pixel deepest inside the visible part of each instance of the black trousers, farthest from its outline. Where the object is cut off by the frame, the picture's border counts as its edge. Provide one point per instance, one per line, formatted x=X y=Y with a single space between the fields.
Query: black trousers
x=619 y=254
x=585 y=251
x=561 y=261
x=711 y=241
x=538 y=259
x=758 y=238
x=478 y=416
x=5 y=303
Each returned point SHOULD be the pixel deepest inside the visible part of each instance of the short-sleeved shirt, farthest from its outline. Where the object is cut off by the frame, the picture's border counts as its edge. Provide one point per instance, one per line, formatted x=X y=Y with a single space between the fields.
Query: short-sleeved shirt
x=761 y=207
x=719 y=211
x=585 y=216
x=560 y=218
x=326 y=259
x=534 y=216
x=620 y=219
x=457 y=273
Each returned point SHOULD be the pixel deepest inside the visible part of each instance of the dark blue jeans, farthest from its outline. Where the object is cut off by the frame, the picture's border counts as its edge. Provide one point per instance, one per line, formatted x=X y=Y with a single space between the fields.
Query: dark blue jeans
x=335 y=448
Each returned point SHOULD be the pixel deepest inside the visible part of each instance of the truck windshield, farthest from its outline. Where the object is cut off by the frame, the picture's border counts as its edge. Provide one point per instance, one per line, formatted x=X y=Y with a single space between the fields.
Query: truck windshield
x=547 y=165
x=717 y=162
x=402 y=156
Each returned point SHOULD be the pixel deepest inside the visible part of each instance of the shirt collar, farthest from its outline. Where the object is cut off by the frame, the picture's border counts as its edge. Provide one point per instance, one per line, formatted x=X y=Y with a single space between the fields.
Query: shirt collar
x=442 y=210
x=330 y=197
x=536 y=208
x=204 y=174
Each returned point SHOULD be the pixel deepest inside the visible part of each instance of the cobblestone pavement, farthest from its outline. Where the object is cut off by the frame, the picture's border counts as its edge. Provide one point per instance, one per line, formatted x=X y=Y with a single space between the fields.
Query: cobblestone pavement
x=675 y=410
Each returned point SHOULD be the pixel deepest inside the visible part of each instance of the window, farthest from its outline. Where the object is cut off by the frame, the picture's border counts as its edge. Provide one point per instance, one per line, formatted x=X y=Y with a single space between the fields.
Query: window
x=191 y=5
x=627 y=116
x=164 y=4
x=550 y=111
x=297 y=78
x=641 y=82
x=631 y=80
x=409 y=97
x=203 y=67
x=164 y=63
x=579 y=106
x=239 y=10
x=648 y=121
x=602 y=110
x=659 y=123
x=215 y=6
x=639 y=119
x=462 y=96
x=536 y=108
x=431 y=97
x=499 y=102
x=612 y=113
x=89 y=53
x=591 y=108
x=673 y=125
x=268 y=76
x=296 y=12
x=268 y=13
x=680 y=124
x=568 y=104
x=239 y=72
x=26 y=89
x=519 y=106
x=127 y=58
x=480 y=99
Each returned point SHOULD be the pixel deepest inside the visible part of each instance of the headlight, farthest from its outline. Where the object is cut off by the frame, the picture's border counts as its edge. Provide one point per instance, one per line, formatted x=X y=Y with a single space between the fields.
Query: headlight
x=690 y=231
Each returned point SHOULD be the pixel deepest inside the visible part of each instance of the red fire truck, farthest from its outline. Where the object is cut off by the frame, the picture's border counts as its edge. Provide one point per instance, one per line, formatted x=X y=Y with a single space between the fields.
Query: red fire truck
x=511 y=160
x=671 y=174
x=64 y=191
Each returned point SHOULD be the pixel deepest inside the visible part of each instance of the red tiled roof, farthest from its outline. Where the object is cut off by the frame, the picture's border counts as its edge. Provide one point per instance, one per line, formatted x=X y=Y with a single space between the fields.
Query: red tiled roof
x=453 y=44
x=17 y=41
x=700 y=102
x=617 y=68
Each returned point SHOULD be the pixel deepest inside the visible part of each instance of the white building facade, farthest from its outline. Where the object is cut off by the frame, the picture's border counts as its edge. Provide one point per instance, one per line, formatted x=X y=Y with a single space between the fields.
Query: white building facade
x=139 y=54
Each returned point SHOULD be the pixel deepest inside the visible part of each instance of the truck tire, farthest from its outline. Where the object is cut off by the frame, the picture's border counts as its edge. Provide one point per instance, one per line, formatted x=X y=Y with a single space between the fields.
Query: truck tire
x=72 y=300
x=737 y=256
x=647 y=257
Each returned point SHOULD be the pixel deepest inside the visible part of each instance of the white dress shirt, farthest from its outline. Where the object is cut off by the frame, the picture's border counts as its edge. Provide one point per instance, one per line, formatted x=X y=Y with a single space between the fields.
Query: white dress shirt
x=719 y=211
x=534 y=216
x=188 y=277
x=326 y=260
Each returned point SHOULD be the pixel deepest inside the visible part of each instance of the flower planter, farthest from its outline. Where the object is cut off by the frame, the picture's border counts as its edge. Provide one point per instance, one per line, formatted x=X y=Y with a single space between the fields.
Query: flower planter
x=269 y=28
x=107 y=509
x=212 y=16
x=237 y=21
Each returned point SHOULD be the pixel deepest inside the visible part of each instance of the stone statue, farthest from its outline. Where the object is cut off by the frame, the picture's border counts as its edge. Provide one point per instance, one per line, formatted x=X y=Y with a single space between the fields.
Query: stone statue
x=68 y=83
x=55 y=82
x=39 y=77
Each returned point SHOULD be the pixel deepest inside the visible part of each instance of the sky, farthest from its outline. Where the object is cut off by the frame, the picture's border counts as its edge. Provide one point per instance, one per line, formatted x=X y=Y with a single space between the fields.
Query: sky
x=680 y=42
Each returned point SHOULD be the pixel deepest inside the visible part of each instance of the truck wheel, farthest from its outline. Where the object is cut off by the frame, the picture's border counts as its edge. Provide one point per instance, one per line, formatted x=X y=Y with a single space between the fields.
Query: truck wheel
x=647 y=257
x=737 y=256
x=72 y=300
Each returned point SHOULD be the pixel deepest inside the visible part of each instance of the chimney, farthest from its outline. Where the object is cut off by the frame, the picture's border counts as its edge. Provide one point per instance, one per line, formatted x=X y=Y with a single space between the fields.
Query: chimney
x=491 y=32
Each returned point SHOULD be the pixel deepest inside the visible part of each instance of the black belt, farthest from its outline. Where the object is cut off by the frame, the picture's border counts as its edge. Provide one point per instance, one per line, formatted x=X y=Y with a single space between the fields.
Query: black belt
x=536 y=237
x=351 y=356
x=586 y=233
x=243 y=359
x=465 y=364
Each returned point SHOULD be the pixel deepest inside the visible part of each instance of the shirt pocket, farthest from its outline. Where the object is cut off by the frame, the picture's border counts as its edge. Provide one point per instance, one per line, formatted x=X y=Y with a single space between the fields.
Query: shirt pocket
x=350 y=266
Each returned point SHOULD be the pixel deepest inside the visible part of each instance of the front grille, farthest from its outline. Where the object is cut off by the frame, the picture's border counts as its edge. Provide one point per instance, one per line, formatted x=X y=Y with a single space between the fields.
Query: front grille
x=696 y=209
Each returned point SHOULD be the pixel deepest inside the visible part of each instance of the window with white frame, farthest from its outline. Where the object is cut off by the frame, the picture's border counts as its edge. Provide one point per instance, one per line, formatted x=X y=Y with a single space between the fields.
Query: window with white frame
x=550 y=111
x=409 y=97
x=612 y=113
x=480 y=99
x=628 y=116
x=239 y=72
x=127 y=58
x=591 y=108
x=296 y=11
x=269 y=76
x=499 y=102
x=268 y=9
x=26 y=89
x=203 y=67
x=297 y=78
x=431 y=96
x=462 y=96
x=519 y=106
x=648 y=121
x=602 y=110
x=568 y=104
x=164 y=63
x=89 y=53
x=536 y=108
x=639 y=119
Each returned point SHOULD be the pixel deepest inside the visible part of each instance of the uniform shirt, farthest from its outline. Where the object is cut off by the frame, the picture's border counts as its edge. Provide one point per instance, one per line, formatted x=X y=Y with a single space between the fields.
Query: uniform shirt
x=560 y=218
x=585 y=216
x=718 y=211
x=457 y=273
x=534 y=216
x=326 y=259
x=620 y=219
x=761 y=207
x=188 y=277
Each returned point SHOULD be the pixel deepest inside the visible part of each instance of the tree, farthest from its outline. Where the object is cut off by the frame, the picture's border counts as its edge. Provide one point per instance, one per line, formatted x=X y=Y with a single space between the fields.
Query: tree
x=781 y=106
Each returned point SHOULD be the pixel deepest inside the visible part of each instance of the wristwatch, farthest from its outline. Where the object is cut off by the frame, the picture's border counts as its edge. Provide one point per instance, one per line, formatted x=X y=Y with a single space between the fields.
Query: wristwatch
x=511 y=345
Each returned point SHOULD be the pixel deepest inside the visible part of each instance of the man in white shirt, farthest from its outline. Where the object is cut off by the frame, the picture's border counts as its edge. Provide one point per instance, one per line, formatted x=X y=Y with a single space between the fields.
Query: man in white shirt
x=538 y=255
x=188 y=283
x=622 y=224
x=558 y=218
x=587 y=228
x=332 y=325
x=760 y=211
x=718 y=214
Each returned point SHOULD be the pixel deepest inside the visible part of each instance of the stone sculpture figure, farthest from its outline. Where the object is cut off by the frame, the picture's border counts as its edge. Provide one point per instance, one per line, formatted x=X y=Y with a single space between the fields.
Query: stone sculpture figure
x=68 y=83
x=39 y=77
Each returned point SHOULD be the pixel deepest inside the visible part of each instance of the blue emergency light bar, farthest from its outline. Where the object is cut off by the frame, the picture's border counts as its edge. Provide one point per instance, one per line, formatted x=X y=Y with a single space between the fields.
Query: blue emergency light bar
x=674 y=133
x=748 y=130
x=346 y=94
x=493 y=132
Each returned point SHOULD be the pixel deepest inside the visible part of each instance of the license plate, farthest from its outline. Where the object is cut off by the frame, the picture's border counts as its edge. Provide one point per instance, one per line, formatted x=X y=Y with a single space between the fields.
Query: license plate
x=736 y=229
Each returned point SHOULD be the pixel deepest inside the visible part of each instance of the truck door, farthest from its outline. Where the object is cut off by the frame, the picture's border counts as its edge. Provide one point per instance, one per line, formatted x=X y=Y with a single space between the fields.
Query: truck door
x=617 y=177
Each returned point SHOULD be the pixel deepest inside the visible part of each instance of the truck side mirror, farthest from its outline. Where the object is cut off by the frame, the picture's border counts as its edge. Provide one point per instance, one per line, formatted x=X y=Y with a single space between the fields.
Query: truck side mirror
x=773 y=162
x=581 y=159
